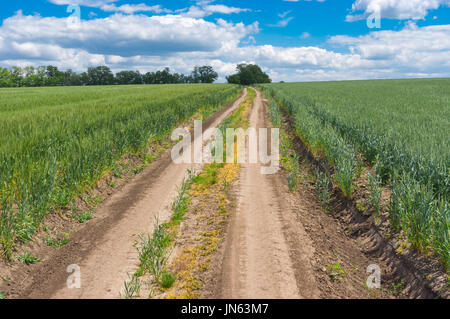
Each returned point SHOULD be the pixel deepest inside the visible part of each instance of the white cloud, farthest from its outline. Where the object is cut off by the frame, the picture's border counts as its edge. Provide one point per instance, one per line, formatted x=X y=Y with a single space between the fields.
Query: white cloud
x=395 y=9
x=127 y=35
x=412 y=49
x=130 y=9
x=205 y=8
x=87 y=3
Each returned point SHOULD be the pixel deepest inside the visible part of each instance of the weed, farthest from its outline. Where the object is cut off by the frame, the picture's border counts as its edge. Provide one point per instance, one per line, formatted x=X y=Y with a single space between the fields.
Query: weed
x=132 y=287
x=293 y=177
x=336 y=272
x=397 y=288
x=375 y=189
x=167 y=280
x=84 y=216
x=28 y=259
x=50 y=241
x=152 y=251
x=323 y=185
x=112 y=184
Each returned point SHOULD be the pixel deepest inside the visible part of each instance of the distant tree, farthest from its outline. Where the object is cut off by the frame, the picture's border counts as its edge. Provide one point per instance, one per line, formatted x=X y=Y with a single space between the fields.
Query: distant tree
x=249 y=74
x=51 y=76
x=30 y=77
x=129 y=77
x=70 y=78
x=100 y=75
x=149 y=78
x=17 y=76
x=84 y=78
x=54 y=76
x=5 y=78
x=40 y=75
x=204 y=74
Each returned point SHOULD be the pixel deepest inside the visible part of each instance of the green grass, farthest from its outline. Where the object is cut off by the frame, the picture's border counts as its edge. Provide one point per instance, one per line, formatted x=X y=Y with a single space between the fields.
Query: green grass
x=402 y=127
x=167 y=280
x=28 y=259
x=83 y=216
x=55 y=143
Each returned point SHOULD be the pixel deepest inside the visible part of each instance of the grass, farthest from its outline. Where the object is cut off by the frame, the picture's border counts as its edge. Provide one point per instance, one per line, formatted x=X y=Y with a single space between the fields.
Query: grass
x=153 y=250
x=374 y=185
x=50 y=241
x=167 y=280
x=323 y=185
x=28 y=259
x=83 y=216
x=56 y=143
x=401 y=128
x=132 y=287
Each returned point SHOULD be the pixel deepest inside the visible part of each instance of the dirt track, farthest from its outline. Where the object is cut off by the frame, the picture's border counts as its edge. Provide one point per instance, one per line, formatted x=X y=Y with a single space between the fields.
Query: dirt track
x=104 y=249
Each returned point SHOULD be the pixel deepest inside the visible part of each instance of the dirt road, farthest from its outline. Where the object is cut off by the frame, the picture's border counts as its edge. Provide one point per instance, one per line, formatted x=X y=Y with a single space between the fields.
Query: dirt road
x=104 y=250
x=257 y=261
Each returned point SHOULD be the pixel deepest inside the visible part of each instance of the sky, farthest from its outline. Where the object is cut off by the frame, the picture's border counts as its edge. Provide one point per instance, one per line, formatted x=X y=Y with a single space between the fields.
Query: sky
x=292 y=40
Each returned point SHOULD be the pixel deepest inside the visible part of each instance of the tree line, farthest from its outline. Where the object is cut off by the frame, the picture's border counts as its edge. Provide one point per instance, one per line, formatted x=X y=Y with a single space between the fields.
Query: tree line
x=50 y=75
x=248 y=74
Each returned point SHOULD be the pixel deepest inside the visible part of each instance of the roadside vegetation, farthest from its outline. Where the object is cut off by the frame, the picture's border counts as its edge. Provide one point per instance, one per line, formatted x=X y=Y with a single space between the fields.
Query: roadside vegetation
x=405 y=138
x=56 y=143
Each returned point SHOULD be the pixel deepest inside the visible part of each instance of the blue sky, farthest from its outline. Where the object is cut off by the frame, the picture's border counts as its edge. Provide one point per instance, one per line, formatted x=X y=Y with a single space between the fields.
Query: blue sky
x=292 y=40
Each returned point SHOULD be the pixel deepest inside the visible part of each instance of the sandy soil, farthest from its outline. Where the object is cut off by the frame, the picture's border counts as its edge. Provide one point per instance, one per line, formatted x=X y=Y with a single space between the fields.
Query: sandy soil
x=257 y=261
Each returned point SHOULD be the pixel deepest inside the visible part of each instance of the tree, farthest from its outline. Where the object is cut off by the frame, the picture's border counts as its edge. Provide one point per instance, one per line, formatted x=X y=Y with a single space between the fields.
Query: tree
x=5 y=78
x=249 y=74
x=70 y=78
x=53 y=76
x=129 y=77
x=204 y=74
x=100 y=75
x=234 y=79
x=17 y=76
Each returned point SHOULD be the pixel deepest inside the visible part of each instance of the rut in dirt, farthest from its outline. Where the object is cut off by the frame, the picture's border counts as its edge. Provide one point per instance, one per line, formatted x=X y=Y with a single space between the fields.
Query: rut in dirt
x=104 y=250
x=257 y=258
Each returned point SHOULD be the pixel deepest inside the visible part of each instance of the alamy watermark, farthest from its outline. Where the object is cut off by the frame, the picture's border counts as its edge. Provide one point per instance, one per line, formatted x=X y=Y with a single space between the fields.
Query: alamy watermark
x=374 y=280
x=73 y=21
x=74 y=280
x=235 y=143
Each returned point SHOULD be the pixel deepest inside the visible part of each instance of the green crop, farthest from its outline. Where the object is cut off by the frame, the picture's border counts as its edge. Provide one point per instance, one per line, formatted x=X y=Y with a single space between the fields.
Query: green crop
x=400 y=126
x=57 y=142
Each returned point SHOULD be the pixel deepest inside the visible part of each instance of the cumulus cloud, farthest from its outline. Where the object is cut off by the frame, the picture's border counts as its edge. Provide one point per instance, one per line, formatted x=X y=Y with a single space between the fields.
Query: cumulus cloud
x=206 y=8
x=412 y=49
x=394 y=9
x=126 y=35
